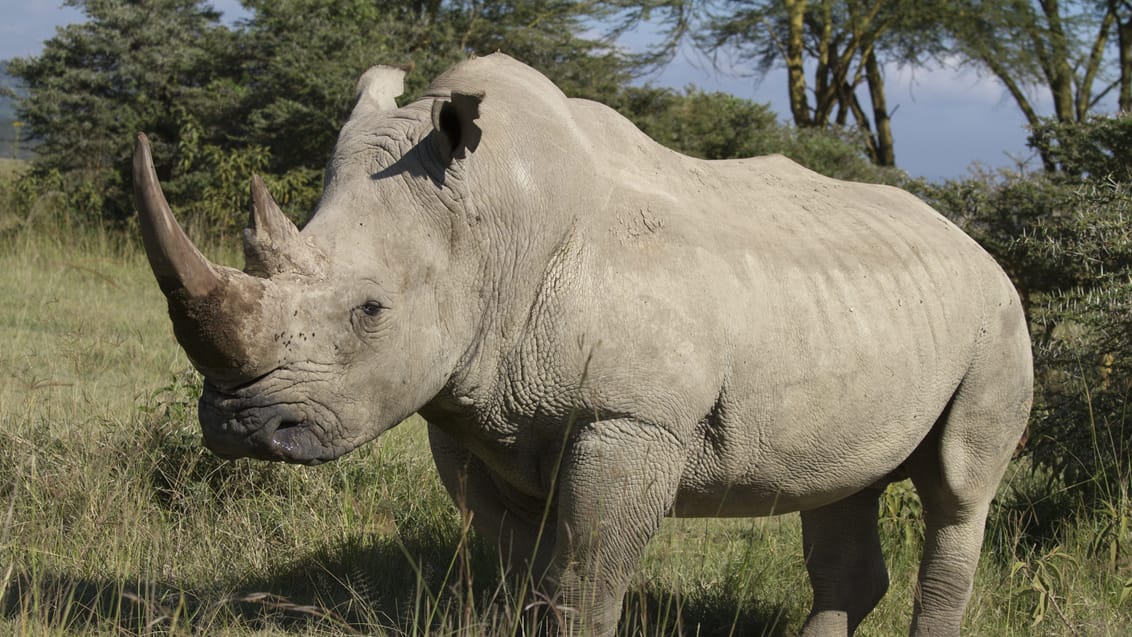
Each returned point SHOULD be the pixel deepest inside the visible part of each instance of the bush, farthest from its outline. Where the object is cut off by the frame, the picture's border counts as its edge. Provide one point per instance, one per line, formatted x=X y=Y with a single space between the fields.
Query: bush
x=1099 y=148
x=49 y=198
x=1083 y=352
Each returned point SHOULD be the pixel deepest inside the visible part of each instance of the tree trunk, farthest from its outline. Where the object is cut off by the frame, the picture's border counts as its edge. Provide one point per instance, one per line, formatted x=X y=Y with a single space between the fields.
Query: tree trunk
x=1093 y=66
x=1124 y=46
x=865 y=129
x=799 y=105
x=885 y=150
x=1055 y=61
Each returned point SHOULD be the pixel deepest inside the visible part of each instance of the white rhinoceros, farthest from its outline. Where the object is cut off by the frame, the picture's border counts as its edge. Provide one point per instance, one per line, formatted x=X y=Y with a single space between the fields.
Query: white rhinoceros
x=603 y=330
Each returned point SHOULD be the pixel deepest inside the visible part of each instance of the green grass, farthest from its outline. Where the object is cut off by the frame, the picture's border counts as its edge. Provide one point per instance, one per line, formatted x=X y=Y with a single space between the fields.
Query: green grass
x=114 y=520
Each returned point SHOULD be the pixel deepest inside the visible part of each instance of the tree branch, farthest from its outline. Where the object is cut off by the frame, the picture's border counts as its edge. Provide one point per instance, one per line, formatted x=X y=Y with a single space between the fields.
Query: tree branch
x=1096 y=56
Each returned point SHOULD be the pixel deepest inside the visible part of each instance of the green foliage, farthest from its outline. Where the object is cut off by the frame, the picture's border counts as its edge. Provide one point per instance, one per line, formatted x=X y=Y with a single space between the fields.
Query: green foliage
x=841 y=45
x=1043 y=577
x=704 y=125
x=901 y=515
x=836 y=152
x=303 y=57
x=1064 y=50
x=214 y=180
x=1098 y=147
x=269 y=96
x=1048 y=234
x=1083 y=349
x=37 y=199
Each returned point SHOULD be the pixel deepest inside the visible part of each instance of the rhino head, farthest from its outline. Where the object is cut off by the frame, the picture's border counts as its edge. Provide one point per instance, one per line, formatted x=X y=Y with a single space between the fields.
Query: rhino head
x=331 y=335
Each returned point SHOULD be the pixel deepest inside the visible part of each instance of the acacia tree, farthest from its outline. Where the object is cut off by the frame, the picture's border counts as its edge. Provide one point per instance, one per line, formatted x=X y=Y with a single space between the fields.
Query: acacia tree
x=1062 y=46
x=831 y=50
x=845 y=44
x=1122 y=9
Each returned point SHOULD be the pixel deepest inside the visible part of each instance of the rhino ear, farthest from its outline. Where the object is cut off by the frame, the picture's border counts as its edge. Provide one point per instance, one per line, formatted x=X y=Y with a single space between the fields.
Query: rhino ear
x=454 y=121
x=378 y=88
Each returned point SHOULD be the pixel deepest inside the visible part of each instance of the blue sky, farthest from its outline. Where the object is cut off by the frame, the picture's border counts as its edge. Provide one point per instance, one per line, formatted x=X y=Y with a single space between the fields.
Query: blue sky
x=944 y=119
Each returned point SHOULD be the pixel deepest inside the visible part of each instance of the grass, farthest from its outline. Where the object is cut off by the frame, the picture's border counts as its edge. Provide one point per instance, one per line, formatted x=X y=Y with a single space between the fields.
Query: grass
x=114 y=520
x=10 y=168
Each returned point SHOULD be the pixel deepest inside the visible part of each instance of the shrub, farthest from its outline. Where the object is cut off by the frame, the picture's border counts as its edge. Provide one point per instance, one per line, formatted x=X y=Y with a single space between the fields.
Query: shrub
x=1099 y=147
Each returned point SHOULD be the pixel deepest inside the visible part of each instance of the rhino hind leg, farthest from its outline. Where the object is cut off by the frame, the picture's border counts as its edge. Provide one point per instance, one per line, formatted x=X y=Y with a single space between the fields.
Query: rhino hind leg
x=845 y=563
x=956 y=471
x=953 y=535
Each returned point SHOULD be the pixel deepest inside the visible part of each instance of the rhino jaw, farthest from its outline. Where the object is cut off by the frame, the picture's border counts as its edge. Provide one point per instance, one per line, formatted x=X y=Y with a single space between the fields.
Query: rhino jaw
x=242 y=425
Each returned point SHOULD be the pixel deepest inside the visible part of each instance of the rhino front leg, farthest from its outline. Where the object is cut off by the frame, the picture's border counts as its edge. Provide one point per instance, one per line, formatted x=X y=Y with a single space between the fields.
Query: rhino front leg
x=509 y=521
x=618 y=480
x=844 y=560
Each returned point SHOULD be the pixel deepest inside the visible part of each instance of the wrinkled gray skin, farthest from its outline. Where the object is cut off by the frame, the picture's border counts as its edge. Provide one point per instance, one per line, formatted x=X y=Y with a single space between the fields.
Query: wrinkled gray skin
x=589 y=319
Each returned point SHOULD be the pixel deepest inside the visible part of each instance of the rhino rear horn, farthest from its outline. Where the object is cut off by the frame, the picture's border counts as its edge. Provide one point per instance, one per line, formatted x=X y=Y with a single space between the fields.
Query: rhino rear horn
x=271 y=242
x=176 y=262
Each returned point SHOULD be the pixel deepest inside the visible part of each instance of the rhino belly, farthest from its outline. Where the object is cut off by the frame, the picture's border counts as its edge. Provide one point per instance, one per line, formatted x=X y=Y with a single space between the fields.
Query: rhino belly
x=800 y=446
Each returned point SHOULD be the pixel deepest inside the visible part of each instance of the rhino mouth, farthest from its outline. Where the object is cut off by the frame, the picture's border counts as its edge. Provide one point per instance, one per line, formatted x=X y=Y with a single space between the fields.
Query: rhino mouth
x=242 y=425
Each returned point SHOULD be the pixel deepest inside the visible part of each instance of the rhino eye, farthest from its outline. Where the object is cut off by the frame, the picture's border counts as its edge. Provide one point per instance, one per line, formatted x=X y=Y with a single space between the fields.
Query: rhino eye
x=372 y=308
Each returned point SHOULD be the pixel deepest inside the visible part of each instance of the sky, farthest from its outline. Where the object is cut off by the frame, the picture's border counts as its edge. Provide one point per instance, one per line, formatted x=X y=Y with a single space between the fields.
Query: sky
x=944 y=119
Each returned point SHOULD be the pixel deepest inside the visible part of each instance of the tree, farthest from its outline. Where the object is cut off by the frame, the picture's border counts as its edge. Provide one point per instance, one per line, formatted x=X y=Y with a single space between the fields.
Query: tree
x=268 y=96
x=132 y=66
x=843 y=44
x=1122 y=10
x=721 y=126
x=1062 y=47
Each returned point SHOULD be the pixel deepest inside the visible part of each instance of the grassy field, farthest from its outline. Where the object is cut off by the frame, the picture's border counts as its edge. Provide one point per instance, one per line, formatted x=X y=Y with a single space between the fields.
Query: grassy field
x=113 y=520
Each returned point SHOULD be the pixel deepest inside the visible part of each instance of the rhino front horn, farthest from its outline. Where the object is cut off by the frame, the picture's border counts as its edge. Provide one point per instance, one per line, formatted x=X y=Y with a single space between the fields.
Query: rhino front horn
x=176 y=262
x=211 y=306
